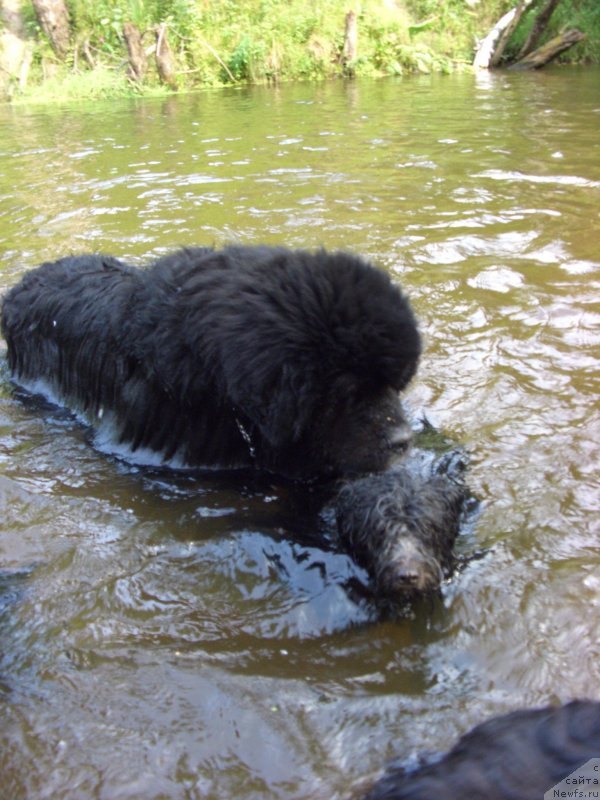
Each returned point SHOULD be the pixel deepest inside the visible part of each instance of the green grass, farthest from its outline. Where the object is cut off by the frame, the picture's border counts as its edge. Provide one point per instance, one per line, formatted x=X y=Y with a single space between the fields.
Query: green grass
x=97 y=84
x=65 y=85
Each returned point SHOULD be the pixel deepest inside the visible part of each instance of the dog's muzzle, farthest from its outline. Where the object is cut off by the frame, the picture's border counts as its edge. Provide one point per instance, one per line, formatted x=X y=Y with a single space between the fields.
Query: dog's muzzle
x=407 y=567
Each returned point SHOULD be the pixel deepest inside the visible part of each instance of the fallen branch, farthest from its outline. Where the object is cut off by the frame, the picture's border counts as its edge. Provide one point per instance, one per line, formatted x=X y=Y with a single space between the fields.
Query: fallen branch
x=549 y=51
x=508 y=32
x=219 y=59
x=538 y=28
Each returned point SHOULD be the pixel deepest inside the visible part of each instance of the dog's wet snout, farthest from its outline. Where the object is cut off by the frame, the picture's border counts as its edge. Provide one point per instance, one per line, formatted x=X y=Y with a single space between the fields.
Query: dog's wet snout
x=410 y=568
x=408 y=576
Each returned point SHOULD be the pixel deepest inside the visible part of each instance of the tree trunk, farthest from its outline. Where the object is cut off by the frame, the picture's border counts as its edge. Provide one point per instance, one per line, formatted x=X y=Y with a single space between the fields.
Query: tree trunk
x=138 y=63
x=539 y=26
x=52 y=16
x=16 y=51
x=350 y=42
x=491 y=48
x=87 y=54
x=165 y=62
x=549 y=50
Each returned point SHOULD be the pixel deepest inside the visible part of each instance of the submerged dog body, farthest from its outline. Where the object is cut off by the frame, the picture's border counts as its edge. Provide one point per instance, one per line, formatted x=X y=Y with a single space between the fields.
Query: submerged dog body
x=284 y=360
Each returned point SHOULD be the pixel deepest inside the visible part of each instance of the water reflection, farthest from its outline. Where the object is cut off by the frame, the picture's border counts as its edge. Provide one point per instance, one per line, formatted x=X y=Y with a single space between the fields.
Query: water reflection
x=170 y=634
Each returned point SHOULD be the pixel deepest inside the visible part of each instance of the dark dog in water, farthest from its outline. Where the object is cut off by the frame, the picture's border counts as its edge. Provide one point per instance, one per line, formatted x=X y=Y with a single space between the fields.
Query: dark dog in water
x=287 y=361
x=517 y=756
x=401 y=526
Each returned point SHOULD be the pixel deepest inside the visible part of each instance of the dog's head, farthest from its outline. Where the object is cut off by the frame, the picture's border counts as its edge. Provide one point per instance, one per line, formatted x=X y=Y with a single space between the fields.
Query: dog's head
x=401 y=528
x=314 y=358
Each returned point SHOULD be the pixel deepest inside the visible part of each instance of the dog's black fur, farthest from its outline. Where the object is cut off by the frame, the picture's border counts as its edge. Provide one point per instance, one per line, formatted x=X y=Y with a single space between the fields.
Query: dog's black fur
x=517 y=756
x=286 y=361
x=401 y=527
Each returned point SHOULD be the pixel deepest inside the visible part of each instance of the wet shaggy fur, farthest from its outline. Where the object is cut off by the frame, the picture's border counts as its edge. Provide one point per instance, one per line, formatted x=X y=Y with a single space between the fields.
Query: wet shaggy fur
x=517 y=756
x=287 y=361
x=401 y=527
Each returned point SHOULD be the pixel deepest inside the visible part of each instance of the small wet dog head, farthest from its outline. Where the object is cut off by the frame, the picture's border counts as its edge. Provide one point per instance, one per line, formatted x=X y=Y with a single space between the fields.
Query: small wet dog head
x=401 y=528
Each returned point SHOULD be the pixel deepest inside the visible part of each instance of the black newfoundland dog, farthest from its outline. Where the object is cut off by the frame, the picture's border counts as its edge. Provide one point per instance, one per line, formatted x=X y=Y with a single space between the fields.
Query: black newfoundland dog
x=287 y=361
x=518 y=756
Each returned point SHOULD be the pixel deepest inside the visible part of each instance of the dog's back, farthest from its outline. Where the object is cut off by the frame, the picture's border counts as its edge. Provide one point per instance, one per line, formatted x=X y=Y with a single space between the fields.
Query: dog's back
x=249 y=356
x=43 y=318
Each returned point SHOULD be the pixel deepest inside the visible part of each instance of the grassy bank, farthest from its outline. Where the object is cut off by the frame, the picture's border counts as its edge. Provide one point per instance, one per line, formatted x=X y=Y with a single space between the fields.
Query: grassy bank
x=223 y=42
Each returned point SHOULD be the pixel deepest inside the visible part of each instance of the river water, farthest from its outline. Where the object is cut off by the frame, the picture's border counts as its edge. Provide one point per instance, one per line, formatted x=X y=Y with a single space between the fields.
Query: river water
x=169 y=635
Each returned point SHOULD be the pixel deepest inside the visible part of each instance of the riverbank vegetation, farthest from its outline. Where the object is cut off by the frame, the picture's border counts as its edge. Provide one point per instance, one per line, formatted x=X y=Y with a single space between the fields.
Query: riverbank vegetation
x=61 y=49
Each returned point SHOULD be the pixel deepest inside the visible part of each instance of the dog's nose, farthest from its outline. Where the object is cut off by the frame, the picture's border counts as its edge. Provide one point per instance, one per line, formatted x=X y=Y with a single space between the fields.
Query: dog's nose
x=407 y=577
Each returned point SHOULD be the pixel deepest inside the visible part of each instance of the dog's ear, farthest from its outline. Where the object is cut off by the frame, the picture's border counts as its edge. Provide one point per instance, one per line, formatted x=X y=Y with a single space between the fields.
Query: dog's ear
x=281 y=404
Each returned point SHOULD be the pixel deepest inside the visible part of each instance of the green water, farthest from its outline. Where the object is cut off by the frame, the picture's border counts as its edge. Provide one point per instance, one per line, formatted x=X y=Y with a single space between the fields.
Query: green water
x=168 y=637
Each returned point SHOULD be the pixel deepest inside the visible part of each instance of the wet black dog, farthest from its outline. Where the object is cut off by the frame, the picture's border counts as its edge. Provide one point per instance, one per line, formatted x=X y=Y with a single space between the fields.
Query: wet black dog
x=401 y=526
x=287 y=361
x=518 y=756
